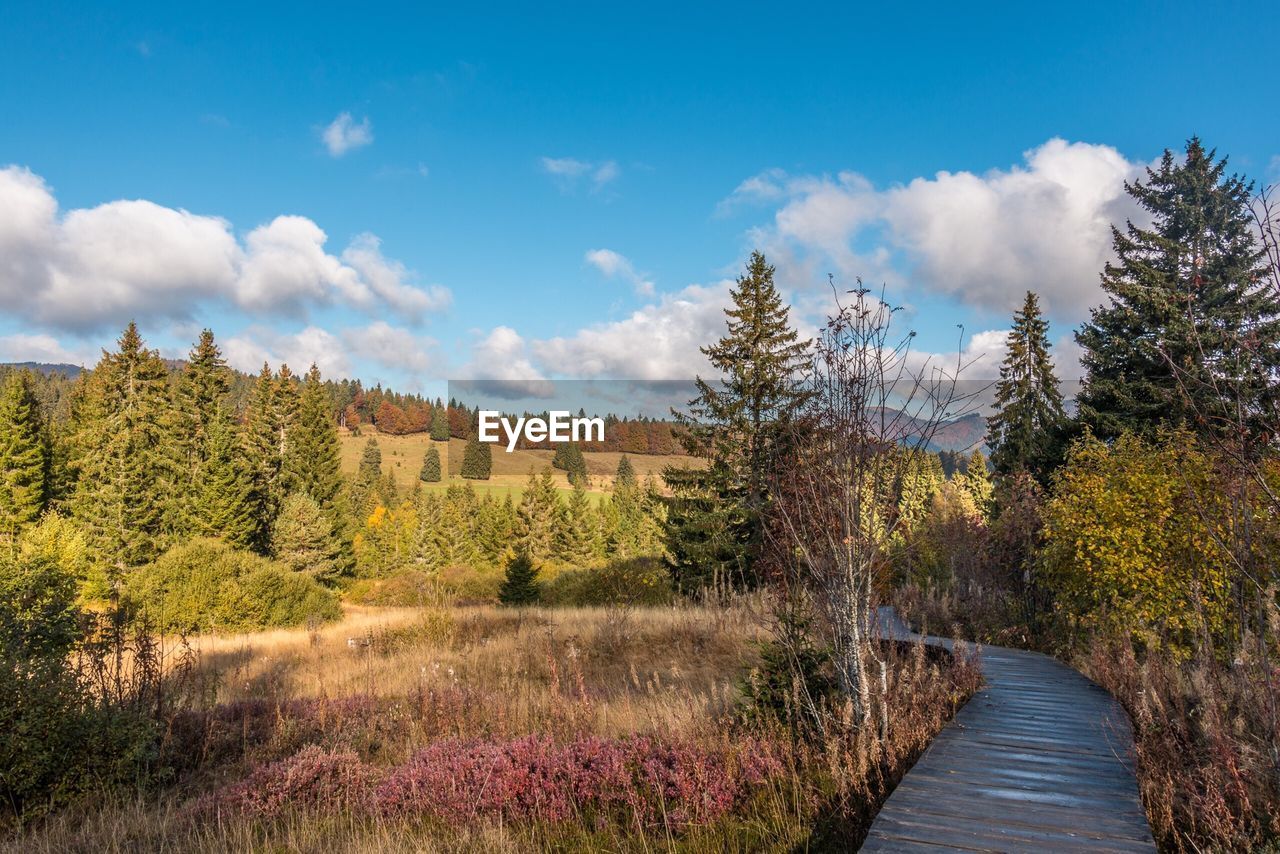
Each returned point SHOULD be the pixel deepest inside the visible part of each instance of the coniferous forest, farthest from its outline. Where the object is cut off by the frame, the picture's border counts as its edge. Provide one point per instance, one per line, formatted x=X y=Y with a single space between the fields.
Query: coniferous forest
x=215 y=634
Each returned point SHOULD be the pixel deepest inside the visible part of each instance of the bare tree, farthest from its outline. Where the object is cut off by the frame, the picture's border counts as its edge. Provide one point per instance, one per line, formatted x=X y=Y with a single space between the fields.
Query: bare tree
x=870 y=404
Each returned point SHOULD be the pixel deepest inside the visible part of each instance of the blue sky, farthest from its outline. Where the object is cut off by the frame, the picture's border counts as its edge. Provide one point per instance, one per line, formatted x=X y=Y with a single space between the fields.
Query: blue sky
x=525 y=192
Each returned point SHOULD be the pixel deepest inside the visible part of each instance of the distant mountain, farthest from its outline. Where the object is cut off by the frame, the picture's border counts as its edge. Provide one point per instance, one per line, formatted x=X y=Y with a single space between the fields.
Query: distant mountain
x=966 y=433
x=70 y=371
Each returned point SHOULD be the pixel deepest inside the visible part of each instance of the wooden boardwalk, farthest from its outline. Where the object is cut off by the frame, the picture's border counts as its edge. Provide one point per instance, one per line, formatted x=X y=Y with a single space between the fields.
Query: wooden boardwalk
x=1040 y=759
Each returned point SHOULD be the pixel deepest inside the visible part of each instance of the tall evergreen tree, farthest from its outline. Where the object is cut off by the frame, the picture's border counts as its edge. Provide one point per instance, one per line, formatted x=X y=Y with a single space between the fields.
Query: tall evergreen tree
x=439 y=422
x=24 y=457
x=577 y=536
x=225 y=504
x=1028 y=405
x=303 y=539
x=264 y=455
x=430 y=466
x=536 y=516
x=124 y=476
x=716 y=512
x=370 y=469
x=568 y=457
x=313 y=458
x=214 y=487
x=626 y=473
x=477 y=459
x=1191 y=333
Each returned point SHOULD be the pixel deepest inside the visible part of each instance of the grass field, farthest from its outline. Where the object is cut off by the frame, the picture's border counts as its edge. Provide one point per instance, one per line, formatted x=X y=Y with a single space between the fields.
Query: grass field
x=402 y=456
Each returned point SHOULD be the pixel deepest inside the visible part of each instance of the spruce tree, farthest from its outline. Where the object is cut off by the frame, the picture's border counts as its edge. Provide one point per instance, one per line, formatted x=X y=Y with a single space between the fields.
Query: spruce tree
x=303 y=539
x=370 y=468
x=313 y=457
x=431 y=466
x=225 y=504
x=1191 y=335
x=577 y=540
x=1028 y=406
x=520 y=586
x=263 y=450
x=439 y=422
x=536 y=516
x=626 y=473
x=976 y=482
x=477 y=459
x=24 y=457
x=715 y=521
x=125 y=479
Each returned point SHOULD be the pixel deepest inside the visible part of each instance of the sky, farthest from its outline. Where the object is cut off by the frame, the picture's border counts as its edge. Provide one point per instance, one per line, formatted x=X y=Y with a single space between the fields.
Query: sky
x=411 y=194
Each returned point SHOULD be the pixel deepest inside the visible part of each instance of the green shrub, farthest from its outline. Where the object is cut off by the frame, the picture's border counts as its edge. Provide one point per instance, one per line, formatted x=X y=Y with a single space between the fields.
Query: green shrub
x=630 y=581
x=208 y=585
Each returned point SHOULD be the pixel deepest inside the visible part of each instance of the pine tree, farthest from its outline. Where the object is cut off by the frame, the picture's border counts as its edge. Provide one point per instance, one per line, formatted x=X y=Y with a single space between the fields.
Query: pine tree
x=568 y=457
x=626 y=473
x=1191 y=334
x=225 y=504
x=439 y=422
x=430 y=466
x=370 y=469
x=313 y=457
x=577 y=539
x=263 y=450
x=520 y=586
x=215 y=496
x=716 y=512
x=477 y=459
x=303 y=539
x=125 y=479
x=1028 y=406
x=24 y=457
x=976 y=482
x=536 y=516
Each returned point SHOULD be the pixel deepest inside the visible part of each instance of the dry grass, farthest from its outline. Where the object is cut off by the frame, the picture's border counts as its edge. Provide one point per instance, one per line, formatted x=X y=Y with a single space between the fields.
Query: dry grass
x=384 y=684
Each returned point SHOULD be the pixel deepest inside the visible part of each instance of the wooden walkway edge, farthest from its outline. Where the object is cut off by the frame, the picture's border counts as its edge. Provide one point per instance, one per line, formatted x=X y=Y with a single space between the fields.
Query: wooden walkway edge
x=1040 y=759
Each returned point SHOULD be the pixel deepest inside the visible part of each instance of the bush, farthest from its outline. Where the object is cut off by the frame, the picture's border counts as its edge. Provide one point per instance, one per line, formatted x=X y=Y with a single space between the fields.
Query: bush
x=406 y=588
x=1133 y=540
x=630 y=581
x=208 y=585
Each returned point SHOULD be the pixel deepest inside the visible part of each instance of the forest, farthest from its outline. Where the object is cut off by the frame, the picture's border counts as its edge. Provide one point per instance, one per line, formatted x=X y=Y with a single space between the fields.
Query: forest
x=213 y=636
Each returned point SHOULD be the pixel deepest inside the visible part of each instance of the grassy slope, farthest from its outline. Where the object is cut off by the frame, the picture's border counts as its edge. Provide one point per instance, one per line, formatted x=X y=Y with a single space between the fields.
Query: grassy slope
x=402 y=455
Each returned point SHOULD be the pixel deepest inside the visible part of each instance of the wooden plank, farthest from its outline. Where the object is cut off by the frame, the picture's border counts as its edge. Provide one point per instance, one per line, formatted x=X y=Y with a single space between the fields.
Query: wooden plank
x=1040 y=759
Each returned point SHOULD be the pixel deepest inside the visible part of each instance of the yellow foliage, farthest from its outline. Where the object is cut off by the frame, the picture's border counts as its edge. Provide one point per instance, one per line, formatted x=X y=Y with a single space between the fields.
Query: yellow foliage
x=1134 y=538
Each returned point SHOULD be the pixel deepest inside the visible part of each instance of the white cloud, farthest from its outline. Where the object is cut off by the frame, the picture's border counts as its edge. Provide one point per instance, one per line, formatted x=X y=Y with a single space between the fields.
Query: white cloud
x=985 y=239
x=21 y=347
x=343 y=134
x=248 y=350
x=658 y=341
x=93 y=267
x=569 y=172
x=613 y=264
x=391 y=346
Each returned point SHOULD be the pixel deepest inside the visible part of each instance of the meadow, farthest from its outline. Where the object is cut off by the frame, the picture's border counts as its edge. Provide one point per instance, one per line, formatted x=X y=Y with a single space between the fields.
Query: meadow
x=402 y=456
x=489 y=729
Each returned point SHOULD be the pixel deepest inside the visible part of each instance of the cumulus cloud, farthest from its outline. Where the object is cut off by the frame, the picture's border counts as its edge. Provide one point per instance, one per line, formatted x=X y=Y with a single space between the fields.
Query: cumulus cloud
x=658 y=341
x=248 y=350
x=613 y=264
x=93 y=267
x=501 y=359
x=343 y=134
x=390 y=346
x=570 y=172
x=1043 y=225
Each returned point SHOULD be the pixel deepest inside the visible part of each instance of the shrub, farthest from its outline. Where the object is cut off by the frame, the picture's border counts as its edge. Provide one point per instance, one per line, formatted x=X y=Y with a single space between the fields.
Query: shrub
x=406 y=588
x=313 y=778
x=206 y=584
x=630 y=581
x=1133 y=539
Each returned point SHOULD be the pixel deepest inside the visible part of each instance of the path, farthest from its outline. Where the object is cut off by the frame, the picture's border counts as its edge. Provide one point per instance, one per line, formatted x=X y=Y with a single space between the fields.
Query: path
x=1040 y=759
